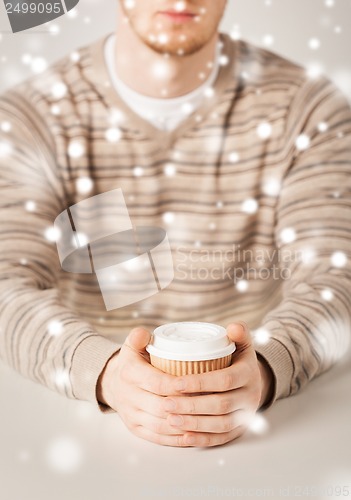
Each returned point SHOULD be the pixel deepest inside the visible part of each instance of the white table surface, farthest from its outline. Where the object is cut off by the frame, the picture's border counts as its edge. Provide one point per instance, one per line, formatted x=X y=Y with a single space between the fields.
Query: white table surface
x=53 y=448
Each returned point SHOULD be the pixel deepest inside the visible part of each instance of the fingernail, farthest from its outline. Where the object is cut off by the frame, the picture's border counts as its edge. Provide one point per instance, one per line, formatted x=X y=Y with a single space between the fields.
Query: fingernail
x=176 y=420
x=170 y=405
x=180 y=385
x=190 y=440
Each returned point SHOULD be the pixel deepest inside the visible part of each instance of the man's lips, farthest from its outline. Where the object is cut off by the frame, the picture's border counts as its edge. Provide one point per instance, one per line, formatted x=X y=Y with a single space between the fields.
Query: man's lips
x=178 y=16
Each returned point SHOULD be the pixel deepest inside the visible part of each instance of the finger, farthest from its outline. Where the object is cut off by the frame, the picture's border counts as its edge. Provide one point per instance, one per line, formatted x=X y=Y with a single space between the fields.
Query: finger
x=138 y=339
x=240 y=334
x=163 y=439
x=218 y=424
x=208 y=404
x=159 y=406
x=141 y=374
x=196 y=439
x=202 y=440
x=226 y=379
x=157 y=425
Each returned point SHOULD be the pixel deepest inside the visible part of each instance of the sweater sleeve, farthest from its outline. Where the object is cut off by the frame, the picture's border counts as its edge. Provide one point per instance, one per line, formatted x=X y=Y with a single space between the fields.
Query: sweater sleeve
x=39 y=337
x=309 y=330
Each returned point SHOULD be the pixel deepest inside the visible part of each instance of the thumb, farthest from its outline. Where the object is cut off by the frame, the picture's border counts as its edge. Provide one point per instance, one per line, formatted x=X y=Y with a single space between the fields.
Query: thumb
x=240 y=334
x=138 y=339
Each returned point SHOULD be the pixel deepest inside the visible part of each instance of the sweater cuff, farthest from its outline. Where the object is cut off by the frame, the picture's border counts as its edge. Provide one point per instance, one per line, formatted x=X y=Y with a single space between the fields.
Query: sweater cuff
x=280 y=362
x=89 y=359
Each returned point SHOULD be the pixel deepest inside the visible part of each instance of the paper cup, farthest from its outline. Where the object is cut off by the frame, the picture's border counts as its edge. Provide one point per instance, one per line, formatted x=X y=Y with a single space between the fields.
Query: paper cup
x=190 y=347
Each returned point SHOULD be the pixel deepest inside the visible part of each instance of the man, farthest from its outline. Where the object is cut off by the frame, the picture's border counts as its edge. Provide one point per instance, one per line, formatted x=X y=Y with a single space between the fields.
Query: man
x=242 y=158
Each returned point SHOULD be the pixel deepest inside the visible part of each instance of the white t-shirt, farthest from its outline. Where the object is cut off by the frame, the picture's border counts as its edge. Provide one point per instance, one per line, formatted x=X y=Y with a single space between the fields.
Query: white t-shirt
x=166 y=113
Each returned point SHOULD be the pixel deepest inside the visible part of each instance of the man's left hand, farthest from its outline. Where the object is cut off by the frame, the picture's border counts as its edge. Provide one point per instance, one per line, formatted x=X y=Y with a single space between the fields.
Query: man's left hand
x=235 y=394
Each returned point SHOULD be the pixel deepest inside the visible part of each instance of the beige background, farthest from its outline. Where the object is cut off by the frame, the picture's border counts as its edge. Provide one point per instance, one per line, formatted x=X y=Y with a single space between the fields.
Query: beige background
x=54 y=448
x=292 y=23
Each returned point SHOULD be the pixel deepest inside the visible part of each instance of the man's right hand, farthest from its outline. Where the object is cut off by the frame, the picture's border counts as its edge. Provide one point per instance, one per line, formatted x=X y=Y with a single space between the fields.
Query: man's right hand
x=136 y=390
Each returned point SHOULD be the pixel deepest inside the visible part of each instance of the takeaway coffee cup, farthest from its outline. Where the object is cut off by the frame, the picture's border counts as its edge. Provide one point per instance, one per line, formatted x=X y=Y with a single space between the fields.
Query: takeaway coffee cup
x=190 y=347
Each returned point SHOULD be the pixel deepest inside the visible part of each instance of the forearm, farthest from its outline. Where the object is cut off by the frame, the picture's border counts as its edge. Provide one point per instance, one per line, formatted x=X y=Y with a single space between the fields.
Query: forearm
x=308 y=331
x=39 y=337
x=49 y=344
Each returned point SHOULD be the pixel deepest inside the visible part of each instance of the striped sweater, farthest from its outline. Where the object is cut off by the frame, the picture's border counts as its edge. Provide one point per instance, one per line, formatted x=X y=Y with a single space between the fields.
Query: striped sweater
x=253 y=188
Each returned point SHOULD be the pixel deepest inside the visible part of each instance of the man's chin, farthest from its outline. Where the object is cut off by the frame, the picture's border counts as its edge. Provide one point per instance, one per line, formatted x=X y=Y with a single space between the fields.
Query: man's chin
x=174 y=50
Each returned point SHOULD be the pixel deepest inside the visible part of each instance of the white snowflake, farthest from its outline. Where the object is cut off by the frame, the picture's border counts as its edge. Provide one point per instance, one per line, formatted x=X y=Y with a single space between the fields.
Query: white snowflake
x=258 y=424
x=187 y=108
x=302 y=142
x=180 y=6
x=323 y=126
x=234 y=157
x=116 y=116
x=26 y=58
x=52 y=234
x=54 y=29
x=5 y=126
x=38 y=64
x=250 y=206
x=55 y=328
x=129 y=4
x=235 y=33
x=74 y=56
x=55 y=109
x=84 y=185
x=64 y=454
x=168 y=217
x=288 y=235
x=80 y=239
x=59 y=90
x=308 y=256
x=264 y=130
x=327 y=295
x=261 y=336
x=73 y=13
x=113 y=134
x=242 y=286
x=61 y=378
x=30 y=206
x=339 y=259
x=314 y=43
x=223 y=60
x=162 y=38
x=5 y=149
x=209 y=92
x=314 y=70
x=271 y=187
x=138 y=171
x=268 y=40
x=76 y=149
x=169 y=170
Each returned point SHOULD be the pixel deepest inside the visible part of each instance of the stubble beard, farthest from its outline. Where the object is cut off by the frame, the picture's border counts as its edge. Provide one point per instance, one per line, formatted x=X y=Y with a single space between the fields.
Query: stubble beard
x=173 y=47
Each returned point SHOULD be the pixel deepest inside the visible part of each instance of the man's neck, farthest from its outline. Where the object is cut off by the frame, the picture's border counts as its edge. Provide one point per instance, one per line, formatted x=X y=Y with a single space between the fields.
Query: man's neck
x=156 y=75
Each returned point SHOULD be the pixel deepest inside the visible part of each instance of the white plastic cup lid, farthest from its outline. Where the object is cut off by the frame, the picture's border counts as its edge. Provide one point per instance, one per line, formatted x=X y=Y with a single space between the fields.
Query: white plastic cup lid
x=190 y=341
